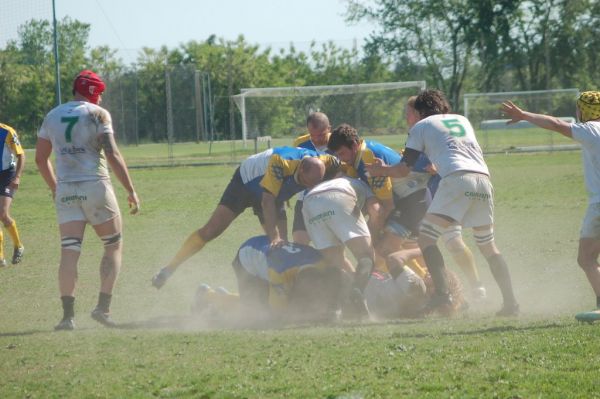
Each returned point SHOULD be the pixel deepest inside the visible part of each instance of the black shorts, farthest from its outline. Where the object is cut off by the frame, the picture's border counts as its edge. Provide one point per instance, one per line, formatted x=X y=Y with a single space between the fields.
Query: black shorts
x=298 y=218
x=6 y=177
x=408 y=212
x=253 y=290
x=237 y=198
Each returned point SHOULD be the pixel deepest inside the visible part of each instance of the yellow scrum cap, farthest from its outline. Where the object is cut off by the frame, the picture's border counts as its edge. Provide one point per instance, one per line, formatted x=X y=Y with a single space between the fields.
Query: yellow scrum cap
x=589 y=105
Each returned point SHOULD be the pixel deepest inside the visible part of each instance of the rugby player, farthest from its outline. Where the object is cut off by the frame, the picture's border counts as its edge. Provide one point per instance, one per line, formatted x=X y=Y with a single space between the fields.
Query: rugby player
x=319 y=130
x=80 y=134
x=586 y=132
x=11 y=168
x=464 y=196
x=333 y=217
x=263 y=181
x=289 y=282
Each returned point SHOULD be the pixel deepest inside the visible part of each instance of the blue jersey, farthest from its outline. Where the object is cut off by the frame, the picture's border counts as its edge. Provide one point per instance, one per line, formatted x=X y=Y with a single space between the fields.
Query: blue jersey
x=275 y=171
x=278 y=266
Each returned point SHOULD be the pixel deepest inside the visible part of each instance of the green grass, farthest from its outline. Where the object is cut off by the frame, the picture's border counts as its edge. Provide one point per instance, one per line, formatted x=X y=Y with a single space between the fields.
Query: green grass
x=540 y=201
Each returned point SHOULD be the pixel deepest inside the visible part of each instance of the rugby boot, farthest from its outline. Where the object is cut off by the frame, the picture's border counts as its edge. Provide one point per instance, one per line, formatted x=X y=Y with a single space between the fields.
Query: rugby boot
x=65 y=324
x=509 y=310
x=103 y=317
x=18 y=255
x=161 y=277
x=588 y=317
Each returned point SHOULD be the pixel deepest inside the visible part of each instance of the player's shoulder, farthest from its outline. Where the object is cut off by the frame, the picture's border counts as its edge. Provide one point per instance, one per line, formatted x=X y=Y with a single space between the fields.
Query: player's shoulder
x=300 y=140
x=6 y=128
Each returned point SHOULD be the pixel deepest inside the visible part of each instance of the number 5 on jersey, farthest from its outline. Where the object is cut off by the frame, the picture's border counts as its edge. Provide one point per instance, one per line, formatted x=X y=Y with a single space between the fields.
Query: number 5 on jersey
x=70 y=121
x=455 y=127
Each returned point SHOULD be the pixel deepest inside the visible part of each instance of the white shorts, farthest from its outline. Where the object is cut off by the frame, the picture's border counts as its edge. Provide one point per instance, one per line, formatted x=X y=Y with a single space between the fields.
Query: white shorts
x=332 y=218
x=89 y=201
x=590 y=227
x=466 y=197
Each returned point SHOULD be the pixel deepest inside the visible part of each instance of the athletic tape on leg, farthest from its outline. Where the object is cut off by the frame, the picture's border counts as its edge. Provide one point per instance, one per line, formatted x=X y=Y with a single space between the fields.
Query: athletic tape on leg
x=71 y=243
x=483 y=237
x=111 y=239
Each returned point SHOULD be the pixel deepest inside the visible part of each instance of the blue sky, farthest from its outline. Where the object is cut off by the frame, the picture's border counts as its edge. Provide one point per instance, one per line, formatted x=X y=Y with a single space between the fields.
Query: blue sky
x=131 y=24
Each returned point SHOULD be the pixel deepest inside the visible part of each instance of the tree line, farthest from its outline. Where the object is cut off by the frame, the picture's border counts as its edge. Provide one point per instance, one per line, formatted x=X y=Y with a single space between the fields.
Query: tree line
x=458 y=46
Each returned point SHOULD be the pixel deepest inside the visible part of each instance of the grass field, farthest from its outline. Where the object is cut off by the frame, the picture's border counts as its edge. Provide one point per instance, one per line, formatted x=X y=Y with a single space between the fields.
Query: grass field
x=162 y=352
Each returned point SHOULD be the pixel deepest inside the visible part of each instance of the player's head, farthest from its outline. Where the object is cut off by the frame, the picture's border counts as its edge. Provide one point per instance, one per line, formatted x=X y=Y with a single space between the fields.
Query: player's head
x=411 y=114
x=318 y=127
x=311 y=171
x=344 y=142
x=89 y=85
x=432 y=102
x=315 y=293
x=588 y=106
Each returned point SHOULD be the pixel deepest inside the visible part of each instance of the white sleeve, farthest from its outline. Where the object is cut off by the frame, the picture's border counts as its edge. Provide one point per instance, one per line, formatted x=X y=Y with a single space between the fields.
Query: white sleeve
x=43 y=132
x=584 y=133
x=415 y=138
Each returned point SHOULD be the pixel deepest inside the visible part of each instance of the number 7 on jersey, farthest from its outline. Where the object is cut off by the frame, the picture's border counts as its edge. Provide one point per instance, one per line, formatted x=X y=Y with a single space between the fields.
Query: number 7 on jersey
x=70 y=121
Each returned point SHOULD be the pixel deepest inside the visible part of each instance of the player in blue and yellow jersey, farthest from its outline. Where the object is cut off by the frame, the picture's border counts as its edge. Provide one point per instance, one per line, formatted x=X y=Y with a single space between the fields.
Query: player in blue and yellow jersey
x=319 y=130
x=12 y=158
x=263 y=181
x=289 y=281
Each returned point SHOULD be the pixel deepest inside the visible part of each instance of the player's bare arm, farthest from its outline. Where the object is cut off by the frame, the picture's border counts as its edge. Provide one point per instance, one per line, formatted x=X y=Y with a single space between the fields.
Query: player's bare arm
x=117 y=164
x=544 y=121
x=378 y=168
x=270 y=215
x=14 y=184
x=43 y=149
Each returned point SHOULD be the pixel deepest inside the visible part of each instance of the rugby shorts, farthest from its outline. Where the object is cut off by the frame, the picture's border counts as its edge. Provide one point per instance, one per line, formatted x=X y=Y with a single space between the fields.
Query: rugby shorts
x=237 y=198
x=406 y=217
x=466 y=197
x=332 y=218
x=91 y=201
x=6 y=177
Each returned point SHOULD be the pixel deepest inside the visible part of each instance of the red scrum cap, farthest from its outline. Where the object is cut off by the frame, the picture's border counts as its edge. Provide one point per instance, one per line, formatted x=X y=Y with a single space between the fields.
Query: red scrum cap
x=89 y=85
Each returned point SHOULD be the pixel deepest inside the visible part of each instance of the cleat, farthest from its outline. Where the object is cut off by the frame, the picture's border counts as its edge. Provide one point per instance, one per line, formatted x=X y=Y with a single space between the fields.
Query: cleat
x=356 y=306
x=161 y=277
x=444 y=304
x=103 y=318
x=17 y=255
x=588 y=317
x=508 y=310
x=222 y=291
x=2 y=262
x=65 y=325
x=201 y=301
x=479 y=294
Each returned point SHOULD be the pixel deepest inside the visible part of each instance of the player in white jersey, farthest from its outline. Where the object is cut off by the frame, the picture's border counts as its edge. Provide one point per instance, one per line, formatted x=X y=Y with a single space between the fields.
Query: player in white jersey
x=333 y=217
x=81 y=136
x=464 y=196
x=586 y=132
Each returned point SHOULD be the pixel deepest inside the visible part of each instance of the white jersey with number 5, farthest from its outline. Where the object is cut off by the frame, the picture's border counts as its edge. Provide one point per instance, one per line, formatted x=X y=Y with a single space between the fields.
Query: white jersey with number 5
x=449 y=142
x=75 y=130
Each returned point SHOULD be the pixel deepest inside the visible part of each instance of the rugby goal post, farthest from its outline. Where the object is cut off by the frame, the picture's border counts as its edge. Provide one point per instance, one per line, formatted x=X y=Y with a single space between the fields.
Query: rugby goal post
x=372 y=108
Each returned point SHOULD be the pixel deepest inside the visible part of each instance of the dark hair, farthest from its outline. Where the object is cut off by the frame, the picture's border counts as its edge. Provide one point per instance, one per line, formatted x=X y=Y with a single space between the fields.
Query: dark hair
x=343 y=135
x=432 y=102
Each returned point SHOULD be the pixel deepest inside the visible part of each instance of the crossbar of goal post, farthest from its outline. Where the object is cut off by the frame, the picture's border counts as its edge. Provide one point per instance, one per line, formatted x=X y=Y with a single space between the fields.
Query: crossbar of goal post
x=305 y=91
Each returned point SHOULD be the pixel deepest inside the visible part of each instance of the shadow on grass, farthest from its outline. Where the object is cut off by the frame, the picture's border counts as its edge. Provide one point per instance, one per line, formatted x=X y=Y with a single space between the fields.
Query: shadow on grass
x=23 y=333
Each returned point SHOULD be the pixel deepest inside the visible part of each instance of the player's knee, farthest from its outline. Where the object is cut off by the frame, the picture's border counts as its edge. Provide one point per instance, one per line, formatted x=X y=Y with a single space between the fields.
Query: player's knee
x=71 y=243
x=485 y=241
x=5 y=218
x=429 y=233
x=453 y=240
x=111 y=240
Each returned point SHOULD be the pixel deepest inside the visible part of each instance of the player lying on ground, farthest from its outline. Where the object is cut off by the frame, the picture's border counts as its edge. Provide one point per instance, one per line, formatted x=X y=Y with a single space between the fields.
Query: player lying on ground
x=286 y=283
x=264 y=182
x=464 y=197
x=586 y=132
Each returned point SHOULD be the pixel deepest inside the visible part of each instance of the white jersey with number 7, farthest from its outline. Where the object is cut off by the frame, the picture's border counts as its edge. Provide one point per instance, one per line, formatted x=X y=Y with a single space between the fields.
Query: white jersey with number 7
x=449 y=142
x=75 y=130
